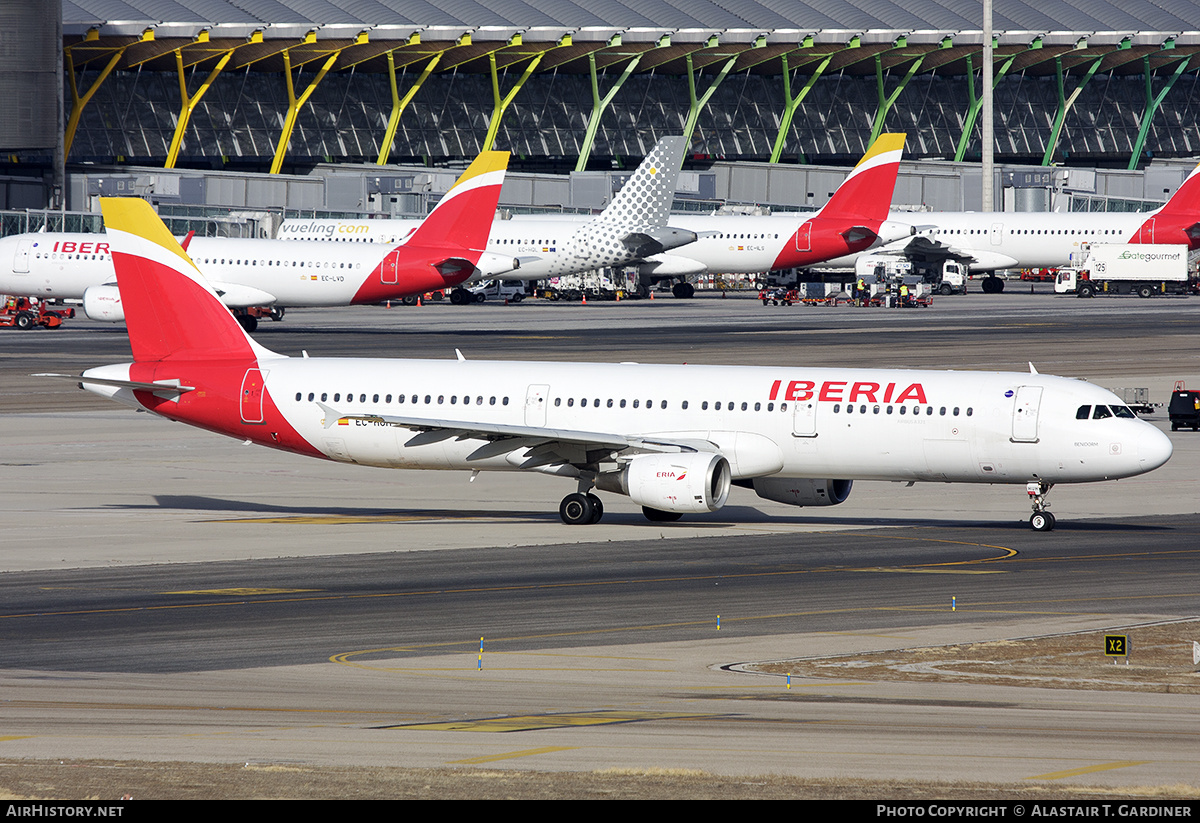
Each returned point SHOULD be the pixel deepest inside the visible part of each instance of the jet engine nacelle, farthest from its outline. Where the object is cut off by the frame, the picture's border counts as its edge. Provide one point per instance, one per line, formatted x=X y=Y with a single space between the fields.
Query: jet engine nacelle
x=669 y=265
x=103 y=303
x=891 y=231
x=492 y=265
x=800 y=492
x=682 y=483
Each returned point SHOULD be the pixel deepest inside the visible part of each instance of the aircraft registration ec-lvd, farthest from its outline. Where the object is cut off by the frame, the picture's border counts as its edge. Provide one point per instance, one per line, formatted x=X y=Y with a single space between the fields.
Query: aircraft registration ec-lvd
x=672 y=438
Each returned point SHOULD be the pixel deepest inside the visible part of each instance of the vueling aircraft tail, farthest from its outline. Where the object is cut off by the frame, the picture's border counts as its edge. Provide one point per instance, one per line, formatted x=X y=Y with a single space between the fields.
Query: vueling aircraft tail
x=464 y=215
x=170 y=310
x=867 y=193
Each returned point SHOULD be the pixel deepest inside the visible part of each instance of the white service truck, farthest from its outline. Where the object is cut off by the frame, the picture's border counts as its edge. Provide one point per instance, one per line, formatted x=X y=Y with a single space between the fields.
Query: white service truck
x=1144 y=269
x=949 y=278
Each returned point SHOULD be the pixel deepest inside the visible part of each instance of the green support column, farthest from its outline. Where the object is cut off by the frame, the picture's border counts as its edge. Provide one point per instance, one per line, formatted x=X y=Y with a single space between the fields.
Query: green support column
x=501 y=104
x=1065 y=103
x=699 y=103
x=1152 y=104
x=885 y=103
x=793 y=103
x=599 y=104
x=976 y=103
x=399 y=104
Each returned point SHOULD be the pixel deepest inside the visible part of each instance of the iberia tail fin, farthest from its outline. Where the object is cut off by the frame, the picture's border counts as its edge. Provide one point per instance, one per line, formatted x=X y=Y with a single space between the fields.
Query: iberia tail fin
x=867 y=193
x=170 y=310
x=463 y=217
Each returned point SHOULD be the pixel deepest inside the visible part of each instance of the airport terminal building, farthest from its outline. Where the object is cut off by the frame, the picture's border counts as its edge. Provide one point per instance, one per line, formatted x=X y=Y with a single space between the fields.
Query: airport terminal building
x=271 y=86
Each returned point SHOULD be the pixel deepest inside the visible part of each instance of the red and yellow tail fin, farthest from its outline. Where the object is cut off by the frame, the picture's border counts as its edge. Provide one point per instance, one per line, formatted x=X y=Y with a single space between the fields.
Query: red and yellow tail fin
x=170 y=310
x=867 y=193
x=464 y=216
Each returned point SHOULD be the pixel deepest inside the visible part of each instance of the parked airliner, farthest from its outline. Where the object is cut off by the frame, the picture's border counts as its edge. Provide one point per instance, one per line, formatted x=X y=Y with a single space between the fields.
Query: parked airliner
x=987 y=241
x=672 y=438
x=445 y=249
x=632 y=227
x=855 y=219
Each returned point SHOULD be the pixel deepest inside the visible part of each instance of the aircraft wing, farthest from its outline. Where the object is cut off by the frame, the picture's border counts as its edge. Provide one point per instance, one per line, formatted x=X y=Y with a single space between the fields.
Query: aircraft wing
x=554 y=445
x=922 y=248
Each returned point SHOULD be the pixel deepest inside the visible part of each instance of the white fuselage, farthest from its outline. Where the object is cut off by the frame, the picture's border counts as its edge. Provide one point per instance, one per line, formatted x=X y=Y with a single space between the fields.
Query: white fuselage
x=251 y=272
x=854 y=424
x=1012 y=240
x=725 y=244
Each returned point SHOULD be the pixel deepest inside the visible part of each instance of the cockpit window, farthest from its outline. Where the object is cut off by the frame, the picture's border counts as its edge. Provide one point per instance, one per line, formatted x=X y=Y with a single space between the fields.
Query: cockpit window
x=1101 y=412
x=1083 y=413
x=1123 y=411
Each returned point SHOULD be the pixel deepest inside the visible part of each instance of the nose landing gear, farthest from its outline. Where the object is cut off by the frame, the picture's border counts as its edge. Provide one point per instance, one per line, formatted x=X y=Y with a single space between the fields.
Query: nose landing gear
x=1041 y=520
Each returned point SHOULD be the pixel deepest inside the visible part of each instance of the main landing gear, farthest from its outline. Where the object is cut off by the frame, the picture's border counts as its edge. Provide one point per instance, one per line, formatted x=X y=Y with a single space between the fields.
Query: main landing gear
x=1041 y=520
x=580 y=509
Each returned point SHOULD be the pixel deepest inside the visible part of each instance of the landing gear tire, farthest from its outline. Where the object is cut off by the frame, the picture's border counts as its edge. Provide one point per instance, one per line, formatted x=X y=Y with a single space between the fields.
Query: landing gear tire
x=1042 y=521
x=248 y=322
x=683 y=290
x=577 y=510
x=992 y=285
x=597 y=508
x=411 y=300
x=277 y=313
x=660 y=516
x=459 y=296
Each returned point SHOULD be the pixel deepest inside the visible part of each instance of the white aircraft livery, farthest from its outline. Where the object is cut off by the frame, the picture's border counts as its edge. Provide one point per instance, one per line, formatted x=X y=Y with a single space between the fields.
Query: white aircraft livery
x=855 y=219
x=445 y=249
x=632 y=226
x=987 y=241
x=672 y=438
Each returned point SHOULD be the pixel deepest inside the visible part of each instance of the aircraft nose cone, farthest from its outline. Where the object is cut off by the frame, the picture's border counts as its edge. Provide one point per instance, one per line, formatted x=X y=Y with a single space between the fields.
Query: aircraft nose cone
x=1154 y=448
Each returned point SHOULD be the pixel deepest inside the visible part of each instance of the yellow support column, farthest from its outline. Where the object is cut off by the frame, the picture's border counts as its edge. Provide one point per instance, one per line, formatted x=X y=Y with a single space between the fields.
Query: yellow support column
x=78 y=102
x=399 y=104
x=295 y=104
x=502 y=103
x=188 y=104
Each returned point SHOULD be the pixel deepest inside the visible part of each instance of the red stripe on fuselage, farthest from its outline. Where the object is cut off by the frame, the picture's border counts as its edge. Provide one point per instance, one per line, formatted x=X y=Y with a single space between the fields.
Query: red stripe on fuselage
x=413 y=273
x=825 y=242
x=215 y=404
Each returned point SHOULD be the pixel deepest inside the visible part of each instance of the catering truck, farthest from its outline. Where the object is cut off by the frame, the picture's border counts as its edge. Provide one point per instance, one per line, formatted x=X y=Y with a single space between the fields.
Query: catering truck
x=1144 y=269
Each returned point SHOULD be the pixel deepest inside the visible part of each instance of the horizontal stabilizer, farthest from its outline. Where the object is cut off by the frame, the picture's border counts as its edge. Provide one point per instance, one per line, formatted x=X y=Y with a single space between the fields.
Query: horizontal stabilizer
x=657 y=240
x=159 y=387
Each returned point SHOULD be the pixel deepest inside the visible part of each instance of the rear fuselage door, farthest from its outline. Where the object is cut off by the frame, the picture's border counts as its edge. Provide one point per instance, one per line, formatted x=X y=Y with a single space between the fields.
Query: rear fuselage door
x=253 y=386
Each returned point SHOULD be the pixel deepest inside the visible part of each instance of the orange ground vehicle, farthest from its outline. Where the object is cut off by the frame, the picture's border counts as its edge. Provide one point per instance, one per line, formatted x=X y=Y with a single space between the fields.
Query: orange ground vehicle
x=24 y=313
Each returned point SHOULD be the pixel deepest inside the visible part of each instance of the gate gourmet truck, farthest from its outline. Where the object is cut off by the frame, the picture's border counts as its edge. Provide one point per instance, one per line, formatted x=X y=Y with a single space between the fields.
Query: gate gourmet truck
x=1118 y=268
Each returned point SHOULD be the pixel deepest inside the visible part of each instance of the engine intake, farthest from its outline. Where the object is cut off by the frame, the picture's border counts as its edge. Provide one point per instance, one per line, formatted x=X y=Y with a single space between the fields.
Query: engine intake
x=800 y=492
x=682 y=483
x=103 y=303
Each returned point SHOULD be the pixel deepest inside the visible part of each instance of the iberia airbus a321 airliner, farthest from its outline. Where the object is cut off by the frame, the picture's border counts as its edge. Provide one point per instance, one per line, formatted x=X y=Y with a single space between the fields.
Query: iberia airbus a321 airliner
x=672 y=438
